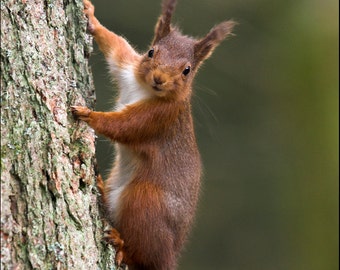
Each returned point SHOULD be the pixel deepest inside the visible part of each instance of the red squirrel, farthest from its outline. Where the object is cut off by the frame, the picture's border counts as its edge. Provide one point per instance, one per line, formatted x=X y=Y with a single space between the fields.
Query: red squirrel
x=151 y=194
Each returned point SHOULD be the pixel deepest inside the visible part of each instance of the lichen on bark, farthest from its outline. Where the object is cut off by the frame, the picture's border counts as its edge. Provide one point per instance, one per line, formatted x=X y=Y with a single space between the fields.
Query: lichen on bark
x=49 y=211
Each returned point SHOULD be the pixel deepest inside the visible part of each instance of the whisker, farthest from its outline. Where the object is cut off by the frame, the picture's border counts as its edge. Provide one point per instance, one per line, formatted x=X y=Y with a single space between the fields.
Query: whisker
x=204 y=115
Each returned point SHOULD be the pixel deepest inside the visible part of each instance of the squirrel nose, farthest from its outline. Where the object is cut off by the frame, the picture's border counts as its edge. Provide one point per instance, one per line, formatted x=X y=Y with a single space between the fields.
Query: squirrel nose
x=158 y=80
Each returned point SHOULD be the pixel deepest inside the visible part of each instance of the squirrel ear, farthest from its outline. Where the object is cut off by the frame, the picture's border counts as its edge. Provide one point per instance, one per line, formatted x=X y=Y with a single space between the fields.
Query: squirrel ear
x=163 y=26
x=205 y=46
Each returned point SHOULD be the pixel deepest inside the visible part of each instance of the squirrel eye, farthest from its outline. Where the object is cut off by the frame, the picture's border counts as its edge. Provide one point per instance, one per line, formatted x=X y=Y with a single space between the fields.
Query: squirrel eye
x=150 y=53
x=186 y=71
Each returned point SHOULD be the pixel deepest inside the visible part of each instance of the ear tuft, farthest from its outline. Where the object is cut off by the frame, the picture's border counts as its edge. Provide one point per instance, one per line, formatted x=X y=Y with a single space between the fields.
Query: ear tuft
x=163 y=26
x=205 y=46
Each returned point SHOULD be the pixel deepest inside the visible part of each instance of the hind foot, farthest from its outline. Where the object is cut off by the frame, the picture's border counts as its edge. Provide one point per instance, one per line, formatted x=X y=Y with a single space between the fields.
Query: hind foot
x=112 y=237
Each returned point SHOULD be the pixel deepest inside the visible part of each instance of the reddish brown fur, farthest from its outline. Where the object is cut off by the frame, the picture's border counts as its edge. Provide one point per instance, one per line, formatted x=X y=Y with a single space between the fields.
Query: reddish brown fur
x=109 y=43
x=156 y=205
x=154 y=118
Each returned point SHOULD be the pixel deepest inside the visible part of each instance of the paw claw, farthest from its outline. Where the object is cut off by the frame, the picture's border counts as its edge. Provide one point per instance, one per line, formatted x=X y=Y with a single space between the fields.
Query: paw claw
x=107 y=229
x=82 y=113
x=88 y=8
x=112 y=236
x=89 y=13
x=119 y=258
x=101 y=186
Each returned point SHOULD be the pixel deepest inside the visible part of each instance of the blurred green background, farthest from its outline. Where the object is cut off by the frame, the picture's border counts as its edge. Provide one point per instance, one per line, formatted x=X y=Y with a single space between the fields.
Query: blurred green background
x=266 y=115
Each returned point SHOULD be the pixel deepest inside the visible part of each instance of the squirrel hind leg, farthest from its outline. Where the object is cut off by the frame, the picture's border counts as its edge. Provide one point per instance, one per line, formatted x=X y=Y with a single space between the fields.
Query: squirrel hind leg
x=112 y=237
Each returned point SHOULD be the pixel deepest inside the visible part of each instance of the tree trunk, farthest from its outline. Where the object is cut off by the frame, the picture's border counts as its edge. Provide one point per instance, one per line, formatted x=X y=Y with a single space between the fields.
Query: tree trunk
x=49 y=212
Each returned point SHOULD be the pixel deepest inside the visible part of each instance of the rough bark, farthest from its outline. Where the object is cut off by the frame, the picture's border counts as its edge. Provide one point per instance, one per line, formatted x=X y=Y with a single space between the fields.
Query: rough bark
x=49 y=212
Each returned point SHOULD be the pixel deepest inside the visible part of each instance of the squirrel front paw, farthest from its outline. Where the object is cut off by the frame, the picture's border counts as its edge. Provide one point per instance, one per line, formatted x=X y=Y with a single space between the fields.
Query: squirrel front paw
x=89 y=12
x=82 y=113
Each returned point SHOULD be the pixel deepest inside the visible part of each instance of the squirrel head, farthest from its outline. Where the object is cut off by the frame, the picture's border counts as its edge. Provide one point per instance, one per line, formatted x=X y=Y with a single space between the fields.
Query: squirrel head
x=169 y=67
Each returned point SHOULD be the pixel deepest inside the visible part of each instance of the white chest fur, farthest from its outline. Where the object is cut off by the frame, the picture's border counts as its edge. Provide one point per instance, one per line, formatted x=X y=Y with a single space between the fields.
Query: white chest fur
x=130 y=91
x=121 y=175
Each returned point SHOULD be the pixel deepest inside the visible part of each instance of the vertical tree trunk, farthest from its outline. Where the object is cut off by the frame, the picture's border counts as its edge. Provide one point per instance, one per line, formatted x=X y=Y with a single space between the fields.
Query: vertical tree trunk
x=49 y=213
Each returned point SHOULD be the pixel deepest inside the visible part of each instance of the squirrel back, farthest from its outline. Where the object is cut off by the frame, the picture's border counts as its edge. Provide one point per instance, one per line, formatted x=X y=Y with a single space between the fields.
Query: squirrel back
x=151 y=194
